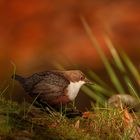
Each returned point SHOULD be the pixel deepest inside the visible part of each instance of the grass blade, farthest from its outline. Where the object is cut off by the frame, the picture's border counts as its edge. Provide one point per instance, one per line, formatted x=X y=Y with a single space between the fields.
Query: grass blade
x=131 y=66
x=110 y=70
x=93 y=75
x=13 y=80
x=5 y=89
x=93 y=95
x=115 y=55
x=102 y=90
x=119 y=64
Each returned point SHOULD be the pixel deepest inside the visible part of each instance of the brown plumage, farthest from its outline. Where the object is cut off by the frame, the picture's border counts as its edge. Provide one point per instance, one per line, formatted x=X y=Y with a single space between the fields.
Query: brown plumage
x=53 y=87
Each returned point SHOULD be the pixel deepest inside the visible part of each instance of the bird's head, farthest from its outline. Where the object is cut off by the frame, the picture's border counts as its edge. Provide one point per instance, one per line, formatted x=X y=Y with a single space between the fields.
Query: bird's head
x=77 y=79
x=77 y=76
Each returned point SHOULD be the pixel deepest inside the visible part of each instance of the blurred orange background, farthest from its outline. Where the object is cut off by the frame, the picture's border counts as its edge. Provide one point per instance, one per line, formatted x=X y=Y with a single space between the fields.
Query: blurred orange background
x=37 y=34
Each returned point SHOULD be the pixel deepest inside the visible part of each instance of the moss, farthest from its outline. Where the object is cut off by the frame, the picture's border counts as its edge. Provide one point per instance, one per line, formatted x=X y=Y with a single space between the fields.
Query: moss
x=16 y=123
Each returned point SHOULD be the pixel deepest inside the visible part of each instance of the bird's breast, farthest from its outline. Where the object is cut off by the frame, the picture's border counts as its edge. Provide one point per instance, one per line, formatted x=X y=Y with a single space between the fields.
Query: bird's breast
x=73 y=89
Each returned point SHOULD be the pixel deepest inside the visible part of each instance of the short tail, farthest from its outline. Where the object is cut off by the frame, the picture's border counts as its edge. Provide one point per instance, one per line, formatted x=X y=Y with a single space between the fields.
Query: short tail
x=18 y=78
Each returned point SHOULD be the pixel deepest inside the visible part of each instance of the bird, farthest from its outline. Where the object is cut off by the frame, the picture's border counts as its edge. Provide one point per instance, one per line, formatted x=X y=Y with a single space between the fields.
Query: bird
x=53 y=88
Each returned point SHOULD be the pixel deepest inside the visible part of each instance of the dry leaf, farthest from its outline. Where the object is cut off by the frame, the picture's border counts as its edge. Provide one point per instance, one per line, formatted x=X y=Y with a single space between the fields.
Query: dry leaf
x=77 y=124
x=128 y=119
x=87 y=115
x=136 y=135
x=129 y=123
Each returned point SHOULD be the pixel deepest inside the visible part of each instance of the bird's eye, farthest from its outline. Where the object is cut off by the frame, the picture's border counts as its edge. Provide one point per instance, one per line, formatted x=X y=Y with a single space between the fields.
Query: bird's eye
x=82 y=78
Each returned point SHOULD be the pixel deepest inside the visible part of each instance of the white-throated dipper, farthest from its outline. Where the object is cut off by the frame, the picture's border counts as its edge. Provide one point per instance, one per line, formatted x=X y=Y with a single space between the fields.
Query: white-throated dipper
x=53 y=87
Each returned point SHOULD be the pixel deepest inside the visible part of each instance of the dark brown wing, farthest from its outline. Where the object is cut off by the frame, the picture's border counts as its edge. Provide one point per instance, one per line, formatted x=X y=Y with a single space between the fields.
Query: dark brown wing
x=50 y=77
x=49 y=87
x=47 y=91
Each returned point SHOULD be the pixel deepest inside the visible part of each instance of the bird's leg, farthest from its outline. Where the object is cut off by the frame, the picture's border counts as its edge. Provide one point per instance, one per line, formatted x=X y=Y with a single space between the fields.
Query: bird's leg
x=71 y=111
x=68 y=111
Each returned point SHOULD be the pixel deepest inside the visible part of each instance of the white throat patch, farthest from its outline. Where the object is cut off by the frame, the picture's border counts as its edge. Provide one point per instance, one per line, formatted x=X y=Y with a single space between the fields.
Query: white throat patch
x=73 y=89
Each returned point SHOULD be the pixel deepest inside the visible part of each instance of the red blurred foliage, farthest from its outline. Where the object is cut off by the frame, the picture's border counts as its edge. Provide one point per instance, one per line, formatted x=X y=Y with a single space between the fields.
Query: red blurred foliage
x=36 y=33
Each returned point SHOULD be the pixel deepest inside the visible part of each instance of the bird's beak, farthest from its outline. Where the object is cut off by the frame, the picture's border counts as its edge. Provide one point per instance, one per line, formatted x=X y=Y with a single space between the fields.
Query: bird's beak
x=88 y=81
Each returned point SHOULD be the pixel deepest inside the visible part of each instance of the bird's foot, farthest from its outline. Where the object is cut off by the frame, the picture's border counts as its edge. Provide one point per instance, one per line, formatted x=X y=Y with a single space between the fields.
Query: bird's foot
x=72 y=112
